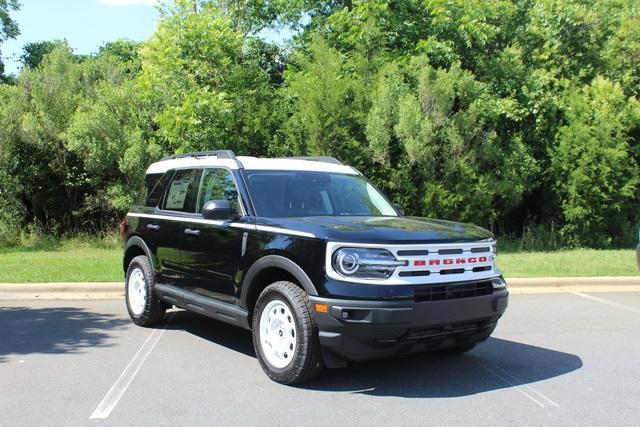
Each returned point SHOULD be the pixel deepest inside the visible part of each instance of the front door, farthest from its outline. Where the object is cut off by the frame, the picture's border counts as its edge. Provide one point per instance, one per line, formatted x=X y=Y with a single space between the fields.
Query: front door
x=211 y=249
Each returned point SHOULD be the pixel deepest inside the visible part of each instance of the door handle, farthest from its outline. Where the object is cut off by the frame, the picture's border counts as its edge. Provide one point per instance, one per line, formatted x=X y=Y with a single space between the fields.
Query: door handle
x=191 y=232
x=153 y=227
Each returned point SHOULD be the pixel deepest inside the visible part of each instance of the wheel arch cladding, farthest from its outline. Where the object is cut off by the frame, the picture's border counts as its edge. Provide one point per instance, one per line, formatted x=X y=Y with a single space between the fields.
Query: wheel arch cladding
x=270 y=269
x=135 y=246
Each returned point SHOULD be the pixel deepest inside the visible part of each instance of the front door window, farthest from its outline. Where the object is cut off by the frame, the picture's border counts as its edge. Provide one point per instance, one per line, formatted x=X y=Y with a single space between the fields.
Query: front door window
x=219 y=184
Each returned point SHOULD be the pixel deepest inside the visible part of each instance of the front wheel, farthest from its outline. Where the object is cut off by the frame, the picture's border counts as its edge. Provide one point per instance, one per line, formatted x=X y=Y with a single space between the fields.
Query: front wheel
x=284 y=335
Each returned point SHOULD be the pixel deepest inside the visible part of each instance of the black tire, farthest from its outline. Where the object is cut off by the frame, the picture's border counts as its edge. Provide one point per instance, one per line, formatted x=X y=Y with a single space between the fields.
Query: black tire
x=459 y=349
x=307 y=360
x=153 y=309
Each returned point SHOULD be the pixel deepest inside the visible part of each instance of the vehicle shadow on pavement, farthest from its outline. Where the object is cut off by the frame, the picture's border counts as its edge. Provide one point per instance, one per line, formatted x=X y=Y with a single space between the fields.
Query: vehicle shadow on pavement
x=25 y=330
x=495 y=364
x=233 y=338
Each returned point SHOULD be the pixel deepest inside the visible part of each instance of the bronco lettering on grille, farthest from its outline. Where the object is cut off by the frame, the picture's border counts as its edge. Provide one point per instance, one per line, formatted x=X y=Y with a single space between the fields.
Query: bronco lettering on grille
x=451 y=261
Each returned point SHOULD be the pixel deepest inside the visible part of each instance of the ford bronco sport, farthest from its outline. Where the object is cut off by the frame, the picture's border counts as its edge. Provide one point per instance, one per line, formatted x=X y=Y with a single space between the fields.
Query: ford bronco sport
x=307 y=254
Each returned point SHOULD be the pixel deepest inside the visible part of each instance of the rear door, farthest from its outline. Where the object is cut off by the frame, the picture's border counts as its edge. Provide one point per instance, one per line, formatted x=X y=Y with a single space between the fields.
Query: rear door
x=150 y=224
x=211 y=249
x=177 y=204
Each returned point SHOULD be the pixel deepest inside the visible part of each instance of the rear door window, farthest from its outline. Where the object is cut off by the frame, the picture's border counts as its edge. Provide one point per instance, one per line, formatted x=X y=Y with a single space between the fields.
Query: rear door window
x=182 y=191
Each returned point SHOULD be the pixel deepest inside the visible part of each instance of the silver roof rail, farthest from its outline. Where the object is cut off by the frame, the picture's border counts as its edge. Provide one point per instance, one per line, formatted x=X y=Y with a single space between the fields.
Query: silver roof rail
x=221 y=154
x=324 y=159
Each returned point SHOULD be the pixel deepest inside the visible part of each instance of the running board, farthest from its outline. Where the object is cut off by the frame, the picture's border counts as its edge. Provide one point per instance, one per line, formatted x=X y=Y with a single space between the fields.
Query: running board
x=202 y=305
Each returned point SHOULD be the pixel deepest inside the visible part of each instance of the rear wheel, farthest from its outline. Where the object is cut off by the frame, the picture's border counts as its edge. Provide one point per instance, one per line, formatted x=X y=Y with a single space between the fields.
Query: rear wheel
x=284 y=334
x=143 y=306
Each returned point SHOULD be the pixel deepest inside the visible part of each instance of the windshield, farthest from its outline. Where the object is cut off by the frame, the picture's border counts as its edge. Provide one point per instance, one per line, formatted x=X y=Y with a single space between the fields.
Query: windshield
x=303 y=193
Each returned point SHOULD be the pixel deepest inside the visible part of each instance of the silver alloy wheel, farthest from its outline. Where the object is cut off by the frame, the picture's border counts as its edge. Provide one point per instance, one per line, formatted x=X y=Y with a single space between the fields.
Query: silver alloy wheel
x=137 y=291
x=278 y=337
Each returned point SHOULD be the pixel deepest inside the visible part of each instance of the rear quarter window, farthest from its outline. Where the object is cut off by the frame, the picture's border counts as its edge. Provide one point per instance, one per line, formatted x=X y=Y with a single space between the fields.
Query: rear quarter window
x=154 y=185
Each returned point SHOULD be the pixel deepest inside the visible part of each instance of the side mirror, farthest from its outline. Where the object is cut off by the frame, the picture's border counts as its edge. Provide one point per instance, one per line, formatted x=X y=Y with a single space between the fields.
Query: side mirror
x=398 y=209
x=217 y=209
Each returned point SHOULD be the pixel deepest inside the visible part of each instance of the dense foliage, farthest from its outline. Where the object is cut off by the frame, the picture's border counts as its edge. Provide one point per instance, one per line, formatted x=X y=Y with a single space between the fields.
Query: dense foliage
x=513 y=114
x=8 y=27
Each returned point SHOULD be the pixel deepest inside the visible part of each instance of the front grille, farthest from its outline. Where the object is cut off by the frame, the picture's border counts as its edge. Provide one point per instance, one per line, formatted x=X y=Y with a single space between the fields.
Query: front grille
x=453 y=271
x=414 y=273
x=453 y=251
x=412 y=253
x=453 y=291
x=448 y=330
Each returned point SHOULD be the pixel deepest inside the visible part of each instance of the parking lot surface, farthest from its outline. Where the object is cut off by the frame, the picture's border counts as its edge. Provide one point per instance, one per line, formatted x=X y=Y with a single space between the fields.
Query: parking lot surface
x=559 y=359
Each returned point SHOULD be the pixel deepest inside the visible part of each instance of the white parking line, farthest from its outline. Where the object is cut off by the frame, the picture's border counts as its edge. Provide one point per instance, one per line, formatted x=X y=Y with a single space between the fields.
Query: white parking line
x=520 y=386
x=607 y=302
x=117 y=390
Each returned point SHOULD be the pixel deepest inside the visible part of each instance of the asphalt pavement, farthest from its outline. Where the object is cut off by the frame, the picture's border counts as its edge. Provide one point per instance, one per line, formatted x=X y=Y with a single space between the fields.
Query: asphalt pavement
x=555 y=359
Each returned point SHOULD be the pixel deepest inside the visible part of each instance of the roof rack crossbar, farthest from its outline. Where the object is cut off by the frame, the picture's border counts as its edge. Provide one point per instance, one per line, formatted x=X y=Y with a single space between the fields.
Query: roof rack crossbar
x=324 y=159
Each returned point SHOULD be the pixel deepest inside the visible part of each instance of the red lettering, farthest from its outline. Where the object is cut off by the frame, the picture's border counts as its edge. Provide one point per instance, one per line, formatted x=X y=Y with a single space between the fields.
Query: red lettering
x=419 y=262
x=448 y=261
x=473 y=259
x=460 y=260
x=434 y=262
x=482 y=259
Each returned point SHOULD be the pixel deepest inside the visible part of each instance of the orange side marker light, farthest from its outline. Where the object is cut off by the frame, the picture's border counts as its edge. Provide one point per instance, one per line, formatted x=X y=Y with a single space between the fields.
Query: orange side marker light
x=322 y=308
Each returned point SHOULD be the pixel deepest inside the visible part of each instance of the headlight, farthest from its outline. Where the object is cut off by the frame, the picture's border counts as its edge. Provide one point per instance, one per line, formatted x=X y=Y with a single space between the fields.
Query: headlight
x=365 y=263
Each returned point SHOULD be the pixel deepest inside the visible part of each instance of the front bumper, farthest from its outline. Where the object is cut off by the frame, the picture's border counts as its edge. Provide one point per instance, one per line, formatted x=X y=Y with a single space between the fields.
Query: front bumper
x=361 y=330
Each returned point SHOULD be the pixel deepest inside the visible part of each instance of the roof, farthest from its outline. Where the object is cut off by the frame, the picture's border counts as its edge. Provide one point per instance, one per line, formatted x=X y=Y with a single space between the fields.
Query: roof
x=250 y=163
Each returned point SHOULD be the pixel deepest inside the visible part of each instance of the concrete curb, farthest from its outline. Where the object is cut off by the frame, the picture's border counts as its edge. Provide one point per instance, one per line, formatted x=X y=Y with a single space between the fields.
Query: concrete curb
x=546 y=285
x=560 y=282
x=66 y=290
x=115 y=290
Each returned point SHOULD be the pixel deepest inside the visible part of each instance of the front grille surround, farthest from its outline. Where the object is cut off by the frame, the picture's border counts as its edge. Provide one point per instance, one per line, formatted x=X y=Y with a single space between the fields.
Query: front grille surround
x=428 y=263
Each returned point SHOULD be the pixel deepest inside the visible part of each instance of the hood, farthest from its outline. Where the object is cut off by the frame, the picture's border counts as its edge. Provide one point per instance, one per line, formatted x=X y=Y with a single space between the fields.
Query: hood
x=376 y=229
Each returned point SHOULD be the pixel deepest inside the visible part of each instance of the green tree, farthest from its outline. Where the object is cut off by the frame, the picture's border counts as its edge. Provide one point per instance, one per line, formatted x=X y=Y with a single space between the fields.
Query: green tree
x=206 y=85
x=504 y=113
x=357 y=94
x=8 y=27
x=70 y=141
x=566 y=37
x=11 y=206
x=42 y=104
x=444 y=122
x=596 y=177
x=325 y=111
x=622 y=55
x=33 y=53
x=109 y=132
x=123 y=49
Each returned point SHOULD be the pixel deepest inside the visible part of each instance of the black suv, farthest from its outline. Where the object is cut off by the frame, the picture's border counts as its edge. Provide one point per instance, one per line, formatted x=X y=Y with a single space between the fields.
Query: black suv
x=307 y=254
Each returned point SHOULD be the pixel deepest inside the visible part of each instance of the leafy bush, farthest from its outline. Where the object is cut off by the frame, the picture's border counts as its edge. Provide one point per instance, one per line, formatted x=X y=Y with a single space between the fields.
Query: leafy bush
x=534 y=238
x=10 y=225
x=596 y=176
